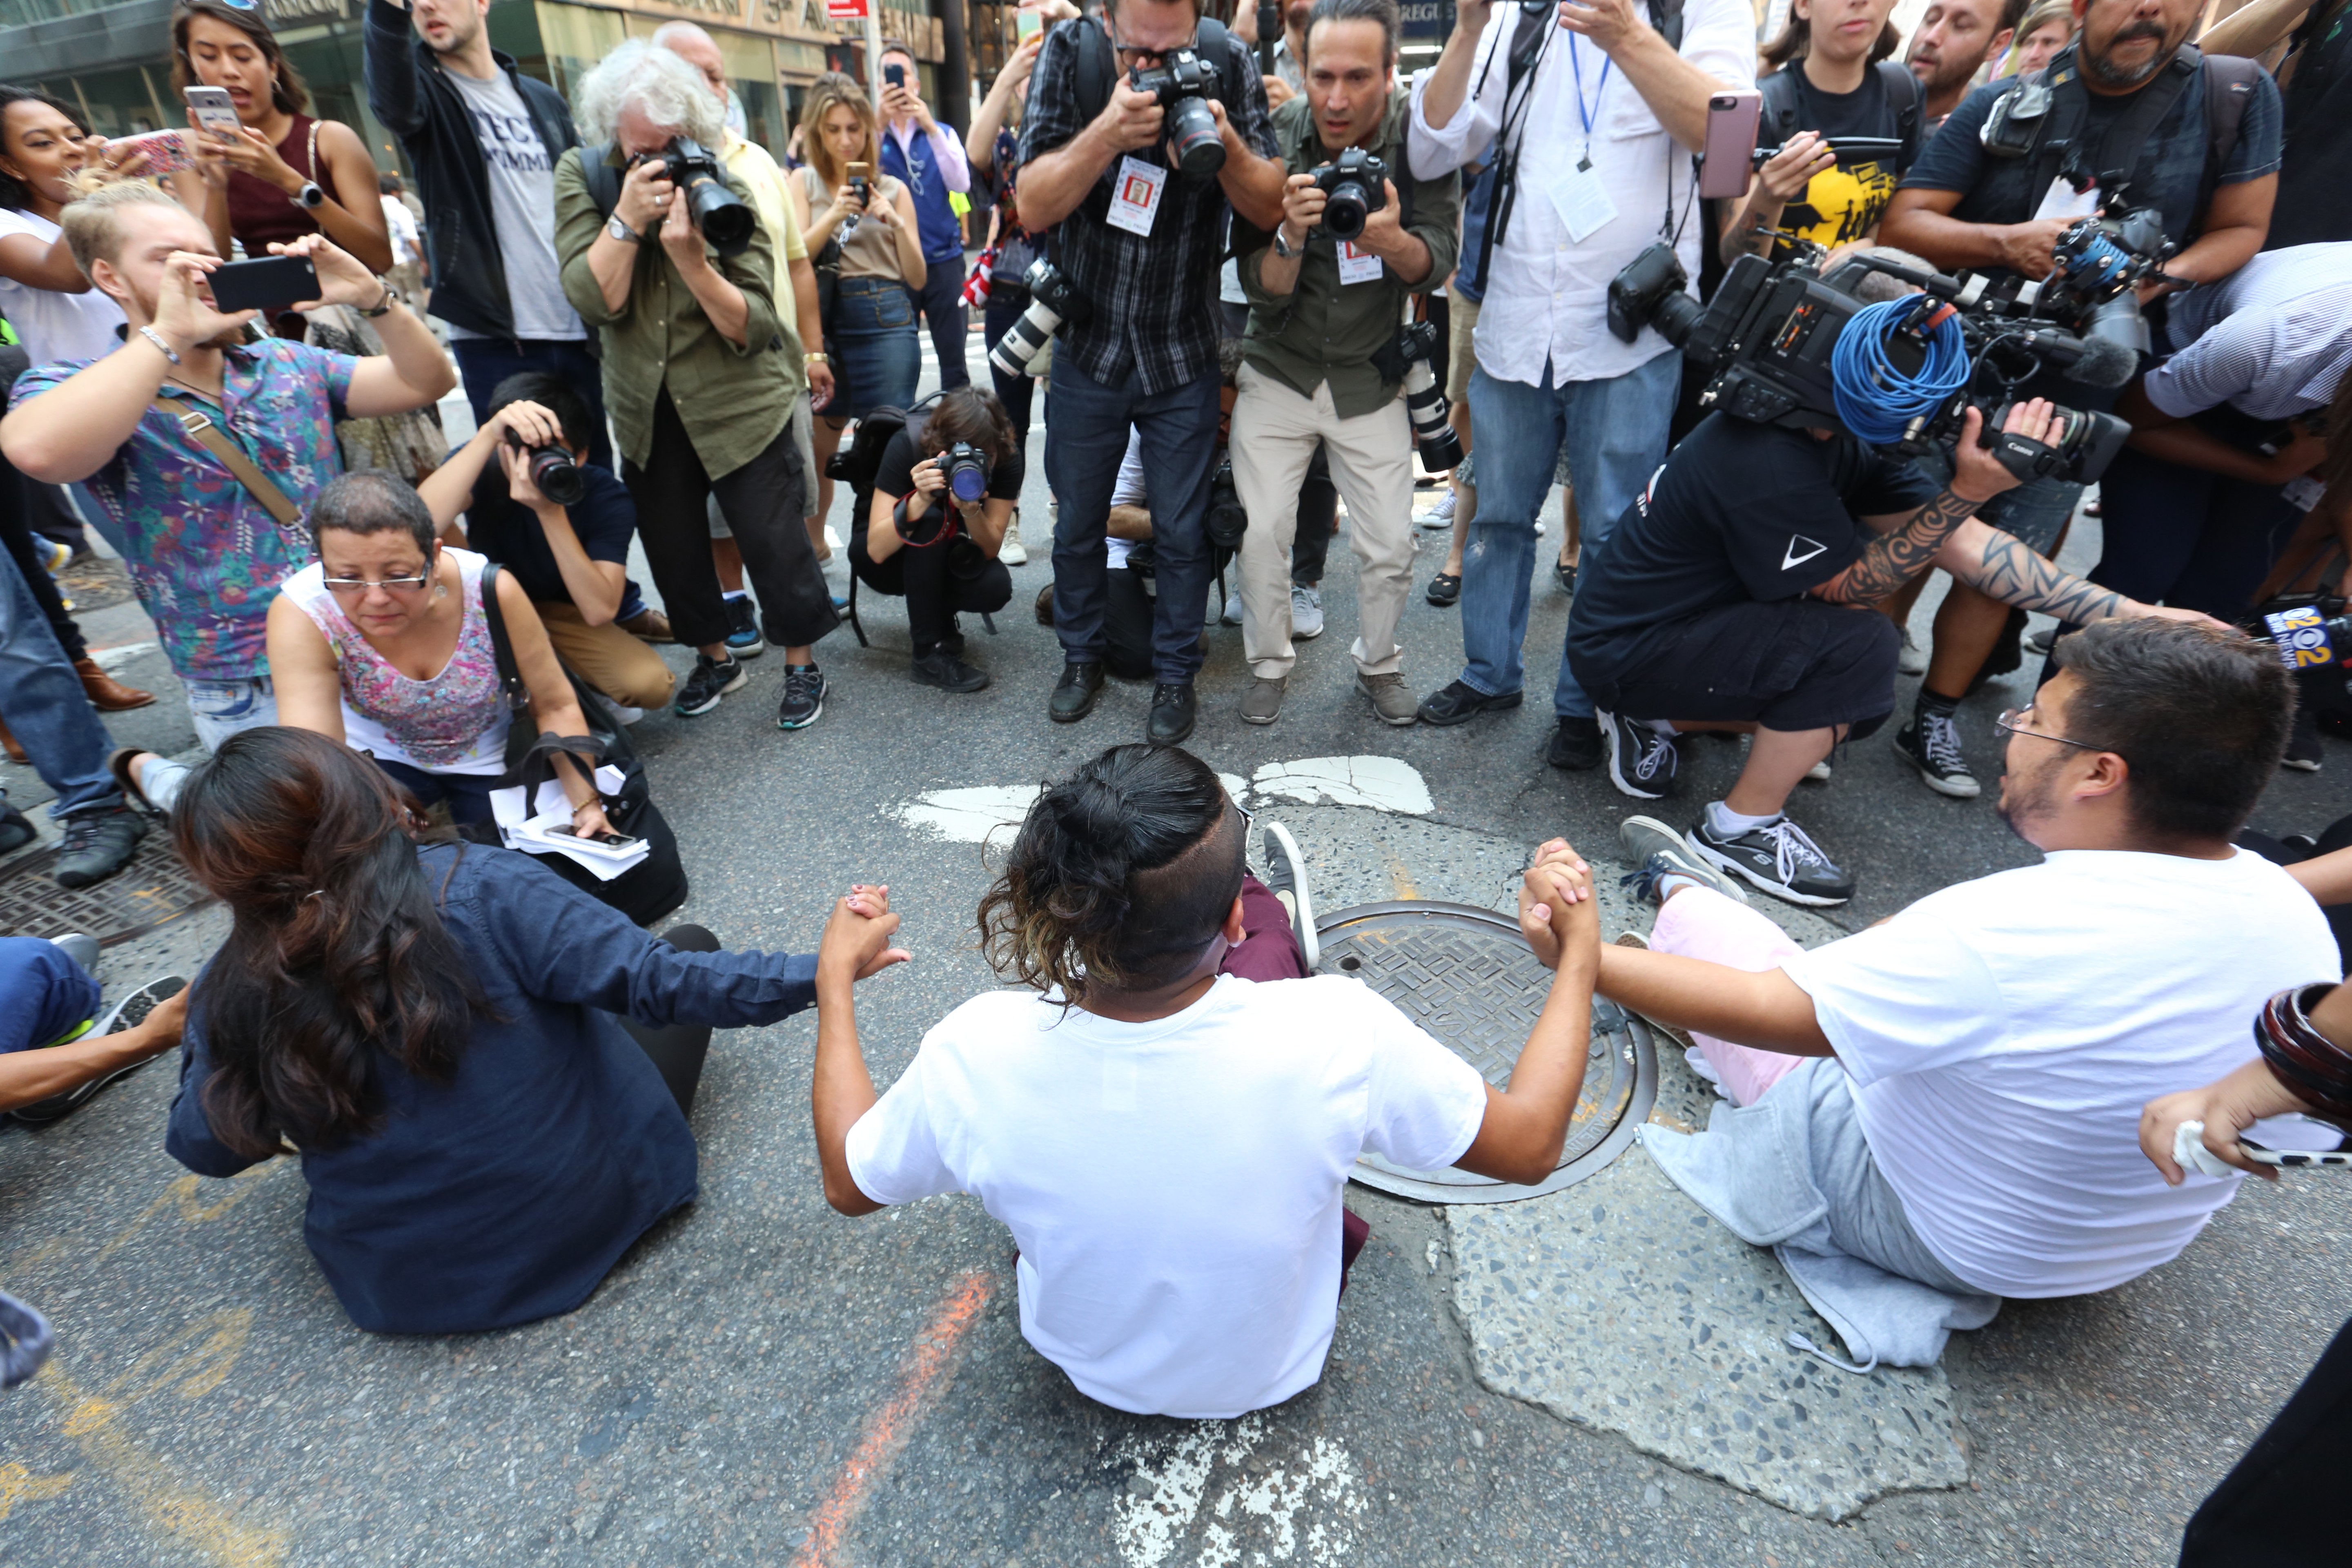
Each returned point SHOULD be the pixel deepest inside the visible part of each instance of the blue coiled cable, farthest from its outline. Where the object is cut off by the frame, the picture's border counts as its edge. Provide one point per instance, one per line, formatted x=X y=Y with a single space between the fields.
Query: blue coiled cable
x=1875 y=400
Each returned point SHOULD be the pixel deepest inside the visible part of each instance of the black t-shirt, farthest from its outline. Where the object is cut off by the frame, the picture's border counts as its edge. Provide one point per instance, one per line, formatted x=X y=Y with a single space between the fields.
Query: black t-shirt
x=507 y=531
x=1844 y=204
x=896 y=477
x=2314 y=193
x=1742 y=511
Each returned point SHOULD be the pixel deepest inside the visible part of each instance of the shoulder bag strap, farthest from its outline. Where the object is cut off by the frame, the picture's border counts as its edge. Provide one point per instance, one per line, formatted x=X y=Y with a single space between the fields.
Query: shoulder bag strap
x=2228 y=83
x=214 y=439
x=311 y=173
x=509 y=674
x=1905 y=94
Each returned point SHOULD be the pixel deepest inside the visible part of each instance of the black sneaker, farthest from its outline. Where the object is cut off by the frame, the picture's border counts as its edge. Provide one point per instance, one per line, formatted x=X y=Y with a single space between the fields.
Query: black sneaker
x=1460 y=701
x=744 y=639
x=16 y=830
x=943 y=669
x=803 y=702
x=1286 y=879
x=710 y=680
x=1575 y=746
x=1172 y=713
x=1778 y=858
x=1641 y=762
x=953 y=642
x=1074 y=694
x=1931 y=742
x=98 y=845
x=128 y=1014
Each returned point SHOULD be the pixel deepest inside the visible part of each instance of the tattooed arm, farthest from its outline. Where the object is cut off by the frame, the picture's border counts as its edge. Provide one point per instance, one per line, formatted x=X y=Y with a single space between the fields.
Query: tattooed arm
x=1894 y=558
x=2001 y=566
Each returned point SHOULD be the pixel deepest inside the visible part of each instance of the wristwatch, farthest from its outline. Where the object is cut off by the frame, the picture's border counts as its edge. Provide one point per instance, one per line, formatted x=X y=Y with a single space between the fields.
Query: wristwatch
x=621 y=231
x=310 y=195
x=391 y=297
x=1282 y=247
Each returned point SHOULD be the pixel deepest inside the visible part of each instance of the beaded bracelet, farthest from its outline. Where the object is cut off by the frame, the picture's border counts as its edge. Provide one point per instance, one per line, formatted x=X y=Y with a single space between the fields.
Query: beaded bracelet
x=2316 y=1068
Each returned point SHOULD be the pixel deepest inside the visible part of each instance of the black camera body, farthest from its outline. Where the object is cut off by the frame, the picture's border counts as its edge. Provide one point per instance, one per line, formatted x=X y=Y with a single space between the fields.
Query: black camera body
x=1182 y=84
x=1354 y=186
x=558 y=477
x=720 y=216
x=1227 y=519
x=966 y=468
x=2097 y=262
x=1769 y=344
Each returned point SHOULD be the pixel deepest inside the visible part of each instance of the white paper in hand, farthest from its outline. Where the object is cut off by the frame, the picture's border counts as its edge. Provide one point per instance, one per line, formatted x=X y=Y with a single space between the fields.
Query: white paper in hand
x=526 y=827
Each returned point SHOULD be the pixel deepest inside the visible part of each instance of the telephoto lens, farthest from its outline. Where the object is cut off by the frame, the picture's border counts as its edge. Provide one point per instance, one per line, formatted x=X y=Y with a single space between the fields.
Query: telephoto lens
x=1226 y=521
x=1425 y=401
x=552 y=470
x=1050 y=298
x=967 y=470
x=723 y=218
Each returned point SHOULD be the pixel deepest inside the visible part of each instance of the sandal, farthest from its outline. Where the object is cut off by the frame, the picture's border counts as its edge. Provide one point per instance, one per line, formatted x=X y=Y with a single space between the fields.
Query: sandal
x=1445 y=589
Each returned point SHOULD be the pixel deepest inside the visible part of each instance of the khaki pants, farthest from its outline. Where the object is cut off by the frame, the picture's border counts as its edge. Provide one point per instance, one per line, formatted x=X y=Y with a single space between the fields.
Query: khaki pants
x=606 y=658
x=1275 y=433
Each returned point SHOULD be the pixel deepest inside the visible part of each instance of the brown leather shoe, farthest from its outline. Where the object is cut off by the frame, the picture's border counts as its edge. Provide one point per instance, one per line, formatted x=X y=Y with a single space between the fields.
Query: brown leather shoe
x=107 y=694
x=649 y=624
x=8 y=742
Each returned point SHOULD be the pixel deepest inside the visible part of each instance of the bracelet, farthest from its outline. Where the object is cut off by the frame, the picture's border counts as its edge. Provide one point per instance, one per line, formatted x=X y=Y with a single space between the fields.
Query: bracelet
x=153 y=336
x=2315 y=1068
x=815 y=358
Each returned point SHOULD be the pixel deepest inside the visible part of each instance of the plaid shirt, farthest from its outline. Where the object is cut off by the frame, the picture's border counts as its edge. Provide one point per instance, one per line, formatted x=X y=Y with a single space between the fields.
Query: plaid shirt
x=1150 y=293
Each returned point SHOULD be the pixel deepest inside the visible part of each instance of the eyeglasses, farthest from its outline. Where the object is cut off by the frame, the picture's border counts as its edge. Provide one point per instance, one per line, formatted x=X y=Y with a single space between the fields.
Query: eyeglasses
x=2012 y=722
x=1130 y=55
x=390 y=584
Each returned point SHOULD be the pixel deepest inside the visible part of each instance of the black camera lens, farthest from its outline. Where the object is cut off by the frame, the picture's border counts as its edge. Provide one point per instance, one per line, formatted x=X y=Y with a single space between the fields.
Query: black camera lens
x=557 y=475
x=1227 y=519
x=1192 y=138
x=966 y=472
x=1345 y=211
x=723 y=218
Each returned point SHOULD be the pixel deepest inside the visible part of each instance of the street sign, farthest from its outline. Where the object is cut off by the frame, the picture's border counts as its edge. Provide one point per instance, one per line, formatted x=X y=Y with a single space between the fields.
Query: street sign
x=844 y=10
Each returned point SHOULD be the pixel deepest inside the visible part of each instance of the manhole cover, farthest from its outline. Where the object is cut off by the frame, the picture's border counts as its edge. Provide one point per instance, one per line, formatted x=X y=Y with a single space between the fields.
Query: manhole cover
x=153 y=889
x=1467 y=976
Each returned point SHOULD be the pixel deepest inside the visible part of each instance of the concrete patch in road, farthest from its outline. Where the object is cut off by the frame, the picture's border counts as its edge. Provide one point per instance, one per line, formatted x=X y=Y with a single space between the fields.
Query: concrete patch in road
x=976 y=814
x=1256 y=1513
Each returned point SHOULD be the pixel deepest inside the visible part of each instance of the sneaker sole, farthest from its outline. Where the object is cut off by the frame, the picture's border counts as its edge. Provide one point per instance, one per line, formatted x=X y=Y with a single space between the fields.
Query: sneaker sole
x=1491 y=705
x=748 y=650
x=1676 y=847
x=2300 y=765
x=127 y=1013
x=1616 y=771
x=1962 y=788
x=1304 y=636
x=1302 y=925
x=1778 y=889
x=782 y=723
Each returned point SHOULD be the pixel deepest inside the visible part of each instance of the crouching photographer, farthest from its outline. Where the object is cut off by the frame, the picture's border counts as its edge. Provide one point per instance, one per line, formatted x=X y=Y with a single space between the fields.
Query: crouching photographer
x=942 y=497
x=1320 y=364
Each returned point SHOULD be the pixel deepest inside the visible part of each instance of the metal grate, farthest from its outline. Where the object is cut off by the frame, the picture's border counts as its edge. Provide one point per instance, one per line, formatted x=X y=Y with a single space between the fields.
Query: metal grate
x=153 y=889
x=1467 y=976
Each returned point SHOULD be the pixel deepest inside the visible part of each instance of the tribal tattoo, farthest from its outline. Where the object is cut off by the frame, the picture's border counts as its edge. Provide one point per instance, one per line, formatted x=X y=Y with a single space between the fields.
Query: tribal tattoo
x=1894 y=559
x=2006 y=570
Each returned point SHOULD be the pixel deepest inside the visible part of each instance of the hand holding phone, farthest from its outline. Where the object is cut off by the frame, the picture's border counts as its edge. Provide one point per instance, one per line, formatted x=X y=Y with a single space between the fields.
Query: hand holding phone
x=266 y=283
x=604 y=841
x=167 y=152
x=211 y=109
x=1731 y=118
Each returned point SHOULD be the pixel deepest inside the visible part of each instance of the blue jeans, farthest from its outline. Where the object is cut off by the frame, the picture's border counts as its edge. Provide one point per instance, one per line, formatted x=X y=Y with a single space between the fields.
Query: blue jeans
x=1087 y=426
x=1615 y=433
x=483 y=362
x=44 y=994
x=874 y=346
x=42 y=701
x=467 y=795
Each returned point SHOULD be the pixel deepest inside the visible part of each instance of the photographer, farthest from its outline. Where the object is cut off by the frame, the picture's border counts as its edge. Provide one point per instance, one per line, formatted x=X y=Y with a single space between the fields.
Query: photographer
x=571 y=561
x=1732 y=596
x=2127 y=126
x=1140 y=242
x=694 y=361
x=943 y=499
x=1323 y=312
x=1589 y=115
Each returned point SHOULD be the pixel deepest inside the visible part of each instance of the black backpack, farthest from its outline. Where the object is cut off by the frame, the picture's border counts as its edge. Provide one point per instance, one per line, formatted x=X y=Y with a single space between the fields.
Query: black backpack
x=858 y=464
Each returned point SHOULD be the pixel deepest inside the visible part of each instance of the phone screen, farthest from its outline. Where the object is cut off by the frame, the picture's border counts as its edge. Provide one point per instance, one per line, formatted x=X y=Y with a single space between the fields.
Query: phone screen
x=1027 y=24
x=264 y=283
x=1731 y=119
x=621 y=842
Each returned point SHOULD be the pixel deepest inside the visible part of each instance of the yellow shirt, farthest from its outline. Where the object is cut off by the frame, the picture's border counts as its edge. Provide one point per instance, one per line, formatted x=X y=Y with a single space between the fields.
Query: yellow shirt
x=750 y=164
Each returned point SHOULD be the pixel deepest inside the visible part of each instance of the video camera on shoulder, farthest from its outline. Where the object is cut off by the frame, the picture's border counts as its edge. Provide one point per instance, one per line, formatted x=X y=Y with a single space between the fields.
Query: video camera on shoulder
x=720 y=215
x=1355 y=186
x=1181 y=83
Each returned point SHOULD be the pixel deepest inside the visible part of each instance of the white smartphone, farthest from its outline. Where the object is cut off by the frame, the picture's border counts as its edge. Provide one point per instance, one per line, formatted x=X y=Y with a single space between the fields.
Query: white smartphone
x=1731 y=119
x=615 y=845
x=211 y=111
x=2294 y=1158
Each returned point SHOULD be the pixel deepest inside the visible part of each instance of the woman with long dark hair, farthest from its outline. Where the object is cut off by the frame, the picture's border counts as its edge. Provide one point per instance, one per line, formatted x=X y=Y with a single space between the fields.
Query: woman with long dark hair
x=1131 y=1048
x=432 y=1028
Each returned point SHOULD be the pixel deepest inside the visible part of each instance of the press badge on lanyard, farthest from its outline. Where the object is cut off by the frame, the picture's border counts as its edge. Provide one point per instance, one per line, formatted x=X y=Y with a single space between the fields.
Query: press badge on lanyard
x=1357 y=266
x=1134 y=200
x=1577 y=192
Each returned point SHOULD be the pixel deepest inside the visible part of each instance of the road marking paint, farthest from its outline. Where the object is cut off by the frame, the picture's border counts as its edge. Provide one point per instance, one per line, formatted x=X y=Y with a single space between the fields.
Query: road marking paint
x=18 y=1484
x=925 y=1374
x=184 y=1194
x=1383 y=783
x=111 y=659
x=970 y=816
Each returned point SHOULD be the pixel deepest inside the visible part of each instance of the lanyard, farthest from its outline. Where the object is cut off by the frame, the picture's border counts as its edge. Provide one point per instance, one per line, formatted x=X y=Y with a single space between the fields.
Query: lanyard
x=1576 y=64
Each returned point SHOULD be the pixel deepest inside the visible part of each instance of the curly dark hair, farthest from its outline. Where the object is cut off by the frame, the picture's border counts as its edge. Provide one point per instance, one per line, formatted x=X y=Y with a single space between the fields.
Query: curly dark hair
x=968 y=413
x=1120 y=877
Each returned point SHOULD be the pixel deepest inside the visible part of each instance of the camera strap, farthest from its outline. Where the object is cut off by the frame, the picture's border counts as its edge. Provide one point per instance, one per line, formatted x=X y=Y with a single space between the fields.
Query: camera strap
x=603 y=181
x=1530 y=40
x=200 y=429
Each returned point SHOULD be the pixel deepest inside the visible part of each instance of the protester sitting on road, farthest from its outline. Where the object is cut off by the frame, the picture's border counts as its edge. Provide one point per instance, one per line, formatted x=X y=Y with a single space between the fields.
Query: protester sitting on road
x=923 y=537
x=571 y=560
x=207 y=550
x=1135 y=1048
x=485 y=1140
x=383 y=642
x=55 y=1052
x=1953 y=1094
x=2277 y=1504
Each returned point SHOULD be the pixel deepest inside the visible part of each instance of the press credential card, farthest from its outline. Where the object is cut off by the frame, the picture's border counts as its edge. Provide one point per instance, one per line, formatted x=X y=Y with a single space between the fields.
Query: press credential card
x=1581 y=200
x=1134 y=200
x=1357 y=266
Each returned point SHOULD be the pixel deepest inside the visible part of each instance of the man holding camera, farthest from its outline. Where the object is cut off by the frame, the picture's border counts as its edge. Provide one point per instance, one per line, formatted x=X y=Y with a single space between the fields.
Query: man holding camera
x=1139 y=132
x=1590 y=113
x=2124 y=120
x=930 y=163
x=694 y=366
x=1325 y=297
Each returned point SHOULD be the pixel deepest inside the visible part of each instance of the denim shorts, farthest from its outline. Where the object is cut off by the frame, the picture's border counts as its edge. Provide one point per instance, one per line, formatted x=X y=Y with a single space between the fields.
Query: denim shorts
x=221 y=708
x=2035 y=512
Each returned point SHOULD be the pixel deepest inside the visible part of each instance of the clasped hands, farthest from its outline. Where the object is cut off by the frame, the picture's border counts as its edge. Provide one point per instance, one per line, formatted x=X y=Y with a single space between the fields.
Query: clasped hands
x=1558 y=913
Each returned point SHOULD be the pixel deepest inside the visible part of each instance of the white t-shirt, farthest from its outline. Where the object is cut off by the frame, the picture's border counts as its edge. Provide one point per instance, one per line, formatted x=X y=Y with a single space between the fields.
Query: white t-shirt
x=401 y=224
x=56 y=326
x=1173 y=1186
x=2004 y=1034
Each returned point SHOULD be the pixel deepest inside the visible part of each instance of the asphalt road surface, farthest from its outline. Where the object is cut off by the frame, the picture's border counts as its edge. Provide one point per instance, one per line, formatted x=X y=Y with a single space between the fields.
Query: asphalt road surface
x=763 y=1381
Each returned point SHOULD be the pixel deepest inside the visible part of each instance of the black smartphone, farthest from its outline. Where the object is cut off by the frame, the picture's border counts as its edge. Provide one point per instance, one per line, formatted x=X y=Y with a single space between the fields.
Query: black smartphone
x=264 y=283
x=896 y=74
x=616 y=842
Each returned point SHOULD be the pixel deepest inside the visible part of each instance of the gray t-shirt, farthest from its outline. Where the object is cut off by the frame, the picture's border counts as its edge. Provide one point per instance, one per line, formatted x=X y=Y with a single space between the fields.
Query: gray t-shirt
x=522 y=208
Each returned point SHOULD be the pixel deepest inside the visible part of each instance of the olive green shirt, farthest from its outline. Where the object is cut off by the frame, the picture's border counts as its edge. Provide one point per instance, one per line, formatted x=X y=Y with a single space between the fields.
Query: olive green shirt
x=732 y=401
x=1321 y=330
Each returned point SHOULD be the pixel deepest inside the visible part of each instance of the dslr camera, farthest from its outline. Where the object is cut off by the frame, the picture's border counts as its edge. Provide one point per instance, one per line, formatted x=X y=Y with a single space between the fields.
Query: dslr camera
x=554 y=471
x=2097 y=264
x=1410 y=357
x=1354 y=188
x=1782 y=345
x=720 y=216
x=1181 y=84
x=966 y=468
x=1227 y=518
x=1053 y=299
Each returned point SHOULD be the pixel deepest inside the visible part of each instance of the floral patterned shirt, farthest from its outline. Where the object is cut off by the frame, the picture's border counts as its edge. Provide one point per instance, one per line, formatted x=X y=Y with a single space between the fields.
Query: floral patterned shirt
x=205 y=556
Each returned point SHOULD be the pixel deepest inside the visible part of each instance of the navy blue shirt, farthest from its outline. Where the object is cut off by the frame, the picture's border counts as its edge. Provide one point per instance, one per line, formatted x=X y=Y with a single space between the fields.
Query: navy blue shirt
x=507 y=1193
x=936 y=223
x=509 y=532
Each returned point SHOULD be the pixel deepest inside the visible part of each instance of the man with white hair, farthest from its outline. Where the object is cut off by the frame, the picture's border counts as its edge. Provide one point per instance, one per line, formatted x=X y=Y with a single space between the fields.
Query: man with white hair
x=695 y=367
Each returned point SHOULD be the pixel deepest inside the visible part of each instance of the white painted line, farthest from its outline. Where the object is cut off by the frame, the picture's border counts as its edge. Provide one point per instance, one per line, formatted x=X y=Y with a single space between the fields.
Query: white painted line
x=113 y=658
x=1383 y=783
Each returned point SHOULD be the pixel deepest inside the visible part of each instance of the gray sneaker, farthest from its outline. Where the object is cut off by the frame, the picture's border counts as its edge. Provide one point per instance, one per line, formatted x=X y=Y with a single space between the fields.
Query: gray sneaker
x=1391 y=703
x=82 y=950
x=1655 y=850
x=1306 y=612
x=1285 y=878
x=1261 y=703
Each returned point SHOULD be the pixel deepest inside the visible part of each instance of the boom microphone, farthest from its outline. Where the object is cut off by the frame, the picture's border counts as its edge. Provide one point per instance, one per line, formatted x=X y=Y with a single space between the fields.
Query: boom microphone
x=2092 y=361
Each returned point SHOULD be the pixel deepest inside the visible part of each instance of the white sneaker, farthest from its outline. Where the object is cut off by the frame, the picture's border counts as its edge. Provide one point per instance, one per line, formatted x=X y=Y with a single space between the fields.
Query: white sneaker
x=1913 y=659
x=1441 y=514
x=1013 y=552
x=626 y=714
x=833 y=539
x=1306 y=612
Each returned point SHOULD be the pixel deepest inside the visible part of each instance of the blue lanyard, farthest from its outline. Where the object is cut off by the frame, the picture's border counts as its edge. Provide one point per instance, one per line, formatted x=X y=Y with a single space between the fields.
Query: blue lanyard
x=1576 y=64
